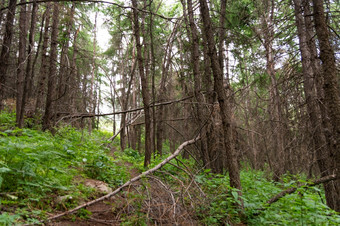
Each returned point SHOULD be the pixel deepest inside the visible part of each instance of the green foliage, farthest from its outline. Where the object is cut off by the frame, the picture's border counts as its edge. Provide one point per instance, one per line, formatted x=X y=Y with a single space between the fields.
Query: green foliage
x=304 y=207
x=36 y=167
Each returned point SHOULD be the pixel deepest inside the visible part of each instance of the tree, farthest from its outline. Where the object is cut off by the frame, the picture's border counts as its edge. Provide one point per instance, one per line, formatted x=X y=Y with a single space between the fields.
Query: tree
x=224 y=107
x=330 y=87
x=145 y=88
x=51 y=87
x=6 y=47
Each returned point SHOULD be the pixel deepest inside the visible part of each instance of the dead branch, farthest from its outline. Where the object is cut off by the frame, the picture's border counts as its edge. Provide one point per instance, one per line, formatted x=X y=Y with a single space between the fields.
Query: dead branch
x=165 y=161
x=292 y=190
x=87 y=115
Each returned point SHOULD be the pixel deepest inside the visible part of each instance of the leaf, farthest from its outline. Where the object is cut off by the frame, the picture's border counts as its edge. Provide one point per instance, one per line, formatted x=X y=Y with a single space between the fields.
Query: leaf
x=235 y=195
x=4 y=170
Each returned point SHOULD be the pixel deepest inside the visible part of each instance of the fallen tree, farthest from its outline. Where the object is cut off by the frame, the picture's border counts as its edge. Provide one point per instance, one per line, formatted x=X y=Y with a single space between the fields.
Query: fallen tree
x=144 y=174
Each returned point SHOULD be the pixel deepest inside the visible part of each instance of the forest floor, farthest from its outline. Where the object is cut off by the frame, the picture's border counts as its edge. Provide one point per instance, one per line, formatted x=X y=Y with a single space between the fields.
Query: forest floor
x=43 y=175
x=159 y=207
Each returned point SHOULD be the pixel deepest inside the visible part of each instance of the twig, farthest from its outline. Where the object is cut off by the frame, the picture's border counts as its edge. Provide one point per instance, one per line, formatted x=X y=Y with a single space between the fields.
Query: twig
x=165 y=161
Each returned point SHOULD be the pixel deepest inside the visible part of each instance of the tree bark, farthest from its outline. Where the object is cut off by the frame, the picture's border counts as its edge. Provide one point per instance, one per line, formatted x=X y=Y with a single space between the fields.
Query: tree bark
x=21 y=61
x=225 y=111
x=145 y=89
x=330 y=87
x=51 y=86
x=41 y=87
x=6 y=47
x=63 y=78
x=28 y=76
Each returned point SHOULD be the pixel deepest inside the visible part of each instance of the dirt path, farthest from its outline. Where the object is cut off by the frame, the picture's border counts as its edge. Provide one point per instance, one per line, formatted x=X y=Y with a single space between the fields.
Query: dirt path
x=150 y=201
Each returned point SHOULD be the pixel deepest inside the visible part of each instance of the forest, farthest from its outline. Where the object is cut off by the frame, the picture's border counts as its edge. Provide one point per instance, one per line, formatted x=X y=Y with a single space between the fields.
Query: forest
x=181 y=112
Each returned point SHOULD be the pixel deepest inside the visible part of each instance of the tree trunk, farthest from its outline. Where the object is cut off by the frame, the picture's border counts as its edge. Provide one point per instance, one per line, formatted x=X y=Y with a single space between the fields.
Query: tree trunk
x=276 y=118
x=330 y=87
x=64 y=79
x=225 y=111
x=6 y=47
x=51 y=86
x=21 y=61
x=92 y=101
x=28 y=76
x=41 y=87
x=145 y=90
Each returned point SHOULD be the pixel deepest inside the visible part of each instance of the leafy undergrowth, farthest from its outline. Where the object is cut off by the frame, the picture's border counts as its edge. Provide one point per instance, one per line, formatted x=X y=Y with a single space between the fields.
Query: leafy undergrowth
x=36 y=168
x=304 y=207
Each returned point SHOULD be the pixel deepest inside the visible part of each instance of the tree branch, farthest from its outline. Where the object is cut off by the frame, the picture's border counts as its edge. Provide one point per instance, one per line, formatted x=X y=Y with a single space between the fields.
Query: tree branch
x=292 y=190
x=87 y=115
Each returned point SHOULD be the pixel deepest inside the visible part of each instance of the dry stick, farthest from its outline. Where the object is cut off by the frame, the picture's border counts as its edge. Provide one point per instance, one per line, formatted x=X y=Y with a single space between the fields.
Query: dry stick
x=168 y=190
x=165 y=161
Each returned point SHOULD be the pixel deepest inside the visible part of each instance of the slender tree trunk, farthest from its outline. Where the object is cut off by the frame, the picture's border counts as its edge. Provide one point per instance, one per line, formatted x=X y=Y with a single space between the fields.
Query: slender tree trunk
x=63 y=83
x=145 y=89
x=21 y=61
x=276 y=117
x=93 y=73
x=195 y=61
x=70 y=98
x=51 y=86
x=331 y=89
x=28 y=76
x=153 y=74
x=41 y=87
x=225 y=111
x=6 y=47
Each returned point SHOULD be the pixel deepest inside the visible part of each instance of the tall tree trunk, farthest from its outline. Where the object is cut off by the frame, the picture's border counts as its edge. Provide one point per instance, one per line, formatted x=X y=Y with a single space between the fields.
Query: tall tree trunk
x=6 y=47
x=28 y=76
x=93 y=73
x=195 y=61
x=330 y=87
x=63 y=83
x=225 y=111
x=41 y=87
x=321 y=150
x=21 y=61
x=51 y=86
x=70 y=98
x=276 y=118
x=145 y=89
